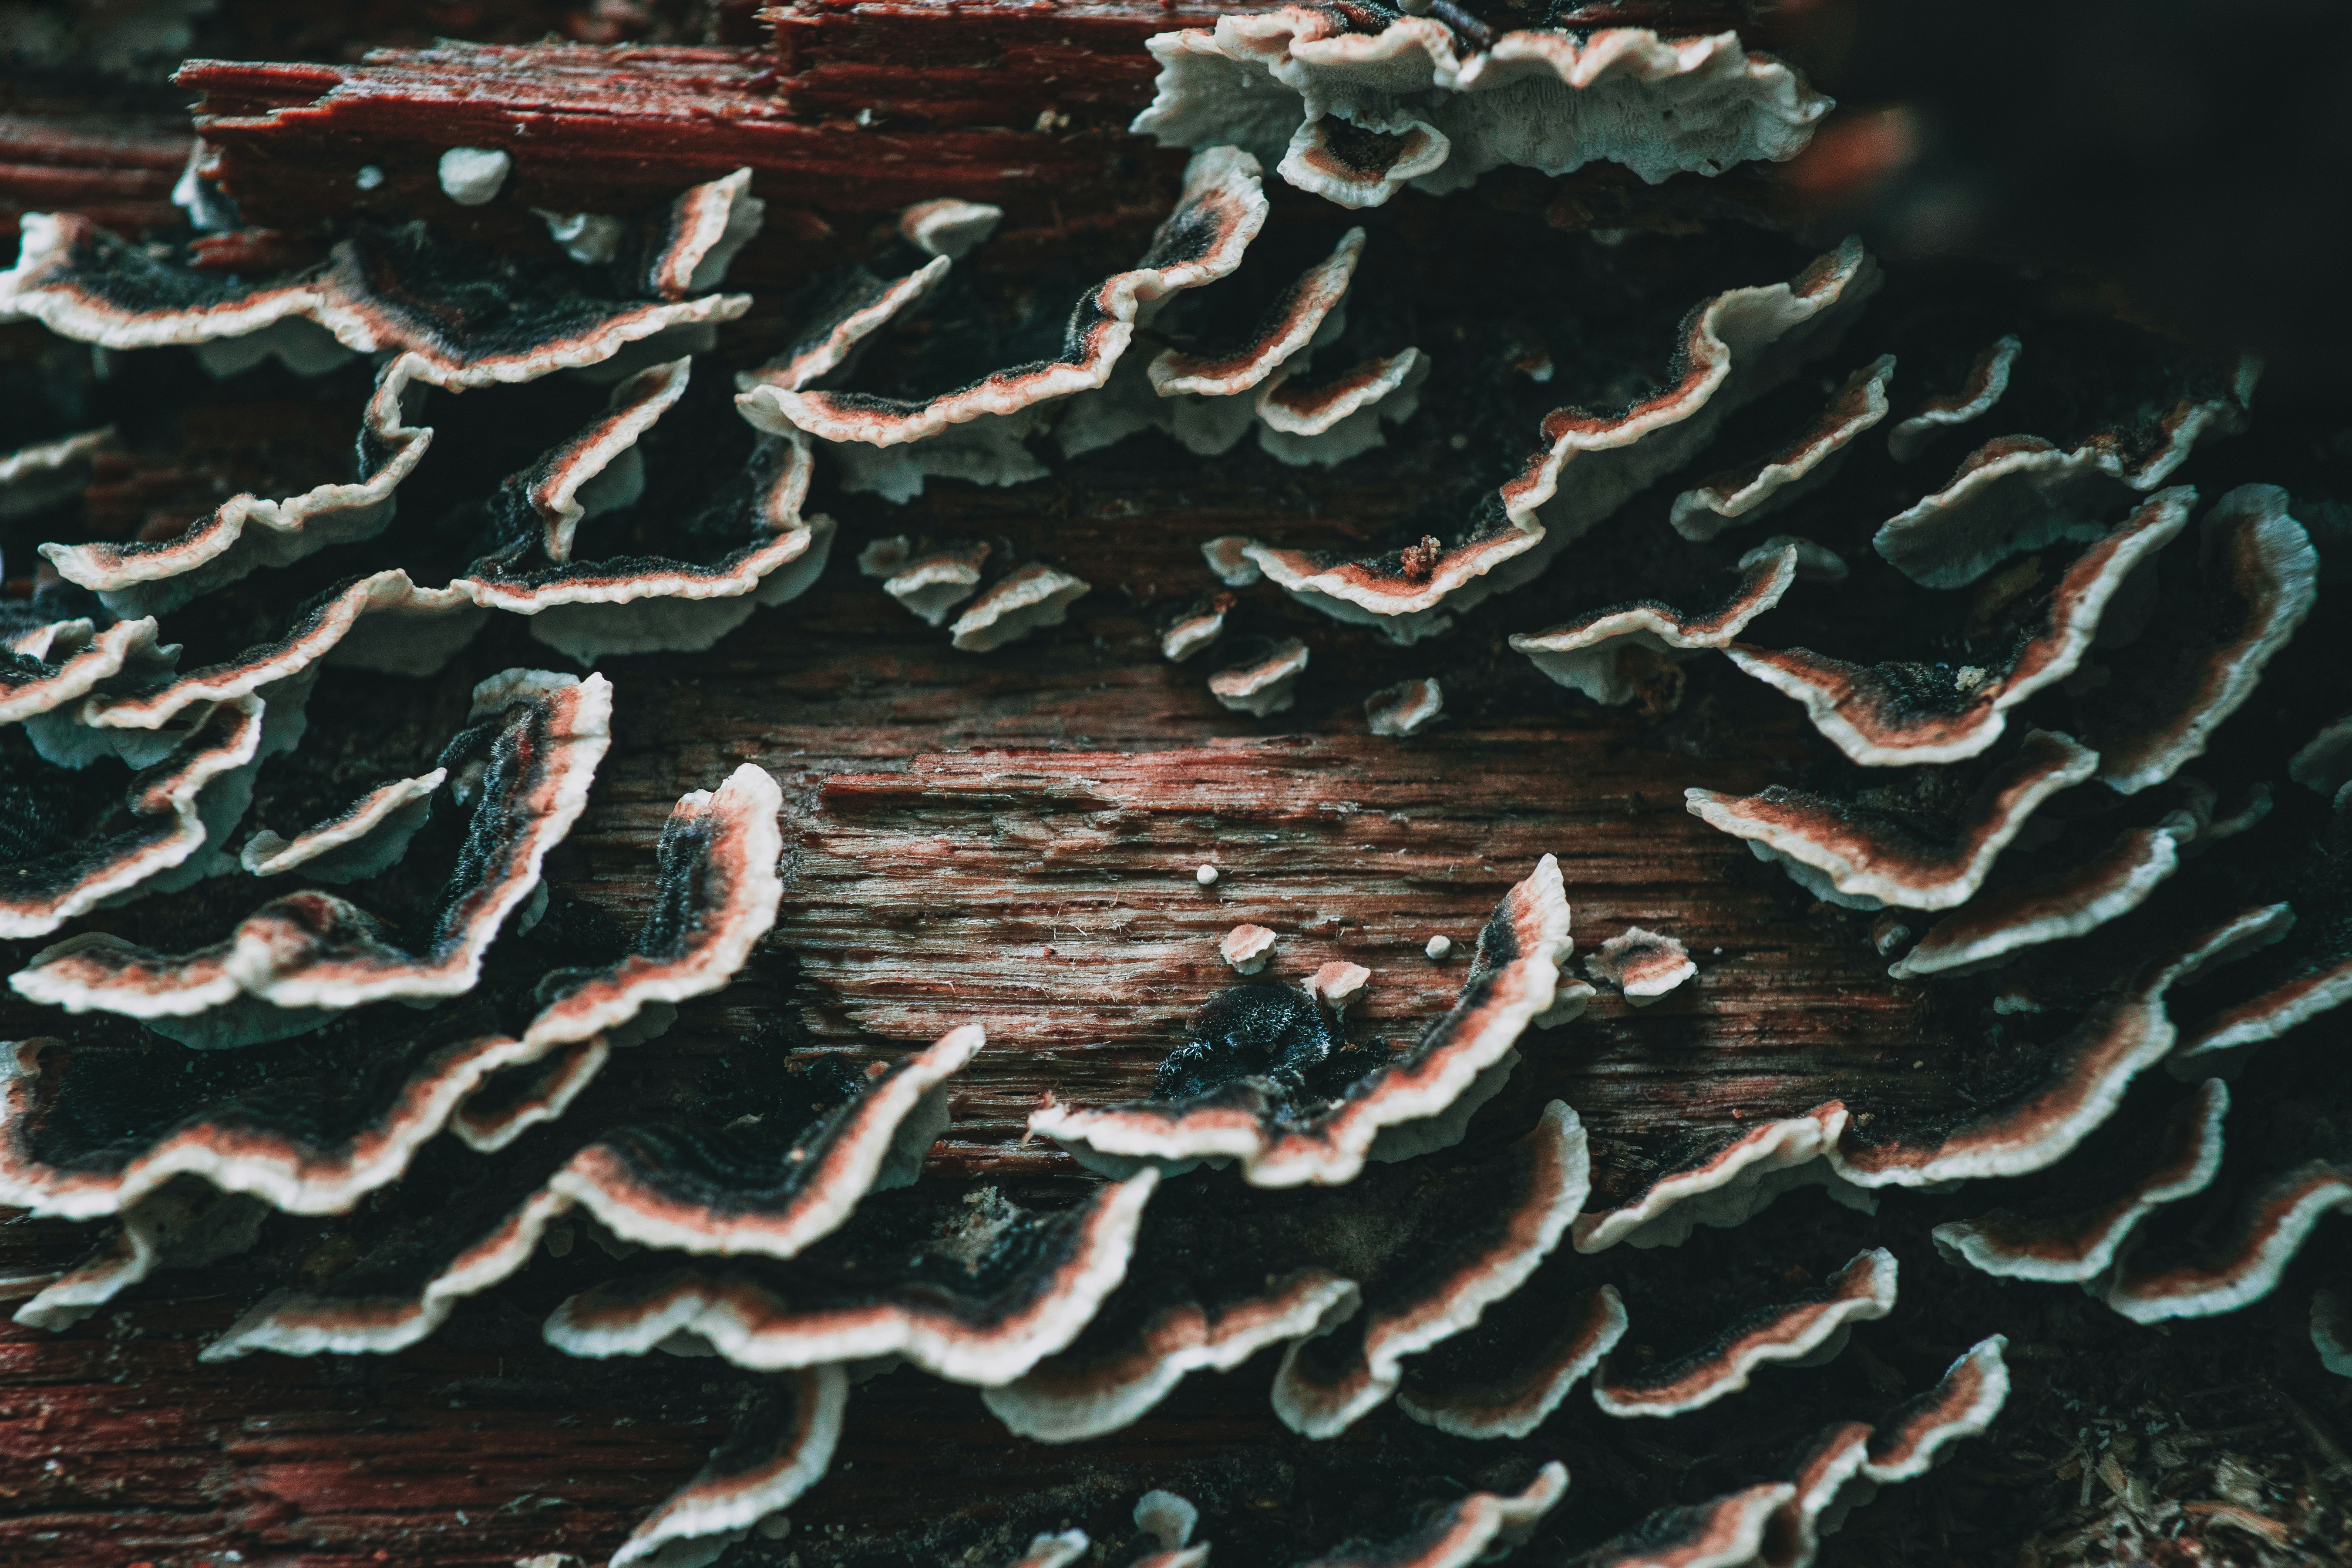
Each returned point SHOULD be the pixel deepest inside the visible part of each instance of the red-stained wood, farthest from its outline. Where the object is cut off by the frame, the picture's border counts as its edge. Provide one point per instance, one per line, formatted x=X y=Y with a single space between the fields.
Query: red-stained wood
x=118 y=170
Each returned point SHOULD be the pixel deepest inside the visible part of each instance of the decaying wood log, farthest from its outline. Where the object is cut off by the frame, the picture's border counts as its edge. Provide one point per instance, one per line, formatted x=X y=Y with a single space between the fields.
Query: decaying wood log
x=1015 y=839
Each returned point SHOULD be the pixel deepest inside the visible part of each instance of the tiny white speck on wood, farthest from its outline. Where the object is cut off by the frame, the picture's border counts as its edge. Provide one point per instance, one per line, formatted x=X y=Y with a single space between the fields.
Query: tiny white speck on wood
x=472 y=175
x=1439 y=946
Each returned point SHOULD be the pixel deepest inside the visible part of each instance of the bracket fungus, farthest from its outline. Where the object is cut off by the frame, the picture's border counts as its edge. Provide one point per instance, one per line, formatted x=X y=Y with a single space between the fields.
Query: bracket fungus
x=1725 y=1184
x=1269 y=1081
x=1643 y=964
x=1806 y=1331
x=356 y=842
x=972 y=1293
x=2073 y=1241
x=1866 y=858
x=778 y=1449
x=1221 y=1271
x=1731 y=350
x=522 y=767
x=1220 y=213
x=1264 y=681
x=1023 y=601
x=1987 y=379
x=1902 y=714
x=2015 y=494
x=769 y=1189
x=1355 y=104
x=1801 y=465
x=1405 y=709
x=1599 y=653
x=2074 y=1082
x=70 y=859
x=488 y=1070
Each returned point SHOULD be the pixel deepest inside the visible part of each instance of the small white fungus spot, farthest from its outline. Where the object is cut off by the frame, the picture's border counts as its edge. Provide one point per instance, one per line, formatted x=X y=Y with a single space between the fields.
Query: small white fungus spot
x=1439 y=946
x=472 y=175
x=368 y=177
x=1206 y=876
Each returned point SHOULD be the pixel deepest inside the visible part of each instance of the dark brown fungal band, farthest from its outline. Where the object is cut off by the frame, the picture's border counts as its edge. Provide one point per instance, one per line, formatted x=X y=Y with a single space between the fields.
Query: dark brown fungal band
x=1810 y=1329
x=1552 y=1346
x=778 y=1449
x=287 y=1124
x=1733 y=348
x=315 y=630
x=1481 y=1527
x=2016 y=494
x=763 y=1190
x=1220 y=213
x=712 y=1193
x=1354 y=167
x=185 y=1224
x=1330 y=1381
x=2068 y=902
x=1823 y=1475
x=381 y=288
x=691 y=242
x=1271 y=1084
x=1986 y=383
x=1727 y=1532
x=1401 y=1258
x=1296 y=410
x=541 y=1089
x=1111 y=1378
x=1287 y=328
x=2245 y=1263
x=553 y=485
x=1897 y=715
x=979 y=1303
x=840 y=320
x=719 y=884
x=1962 y=1404
x=2085 y=1073
x=2289 y=1168
x=1865 y=857
x=639 y=604
x=355 y=843
x=2259 y=574
x=1589 y=653
x=247 y=533
x=2073 y=1241
x=526 y=763
x=1724 y=1185
x=53 y=665
x=166 y=805
x=1797 y=467
x=1781 y=1524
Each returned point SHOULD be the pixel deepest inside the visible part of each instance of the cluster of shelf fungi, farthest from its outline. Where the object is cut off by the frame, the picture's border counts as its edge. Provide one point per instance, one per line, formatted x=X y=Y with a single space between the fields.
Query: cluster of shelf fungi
x=2022 y=673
